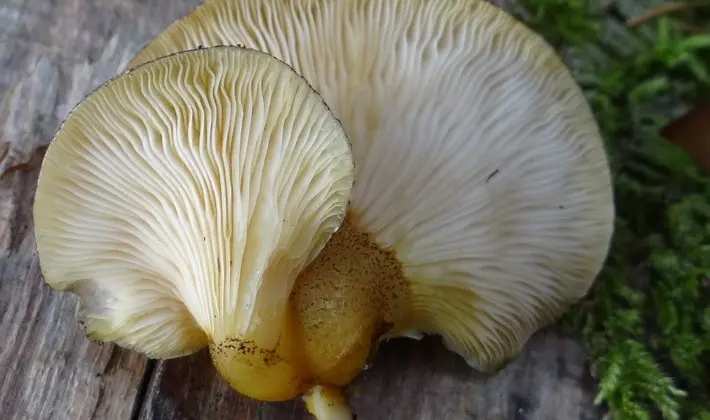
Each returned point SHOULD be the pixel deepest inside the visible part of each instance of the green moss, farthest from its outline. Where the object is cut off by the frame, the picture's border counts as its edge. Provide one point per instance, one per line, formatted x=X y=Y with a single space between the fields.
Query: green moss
x=647 y=320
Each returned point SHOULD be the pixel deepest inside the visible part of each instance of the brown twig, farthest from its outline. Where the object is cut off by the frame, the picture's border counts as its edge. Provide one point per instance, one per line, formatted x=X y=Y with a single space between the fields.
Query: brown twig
x=664 y=9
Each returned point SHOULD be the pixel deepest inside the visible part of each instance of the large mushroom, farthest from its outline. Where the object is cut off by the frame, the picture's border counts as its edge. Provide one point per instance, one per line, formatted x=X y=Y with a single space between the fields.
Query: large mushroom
x=482 y=205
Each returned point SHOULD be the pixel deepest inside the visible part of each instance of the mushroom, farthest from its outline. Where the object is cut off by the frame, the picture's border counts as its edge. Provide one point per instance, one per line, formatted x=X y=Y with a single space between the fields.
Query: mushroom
x=181 y=199
x=482 y=205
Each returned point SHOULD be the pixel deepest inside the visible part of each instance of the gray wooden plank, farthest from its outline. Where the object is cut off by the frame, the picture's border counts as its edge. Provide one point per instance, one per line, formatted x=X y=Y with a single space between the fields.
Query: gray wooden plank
x=52 y=53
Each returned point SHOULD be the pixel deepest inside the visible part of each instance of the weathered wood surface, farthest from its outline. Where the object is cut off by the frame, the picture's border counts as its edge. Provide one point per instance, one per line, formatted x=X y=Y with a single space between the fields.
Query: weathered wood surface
x=408 y=381
x=54 y=52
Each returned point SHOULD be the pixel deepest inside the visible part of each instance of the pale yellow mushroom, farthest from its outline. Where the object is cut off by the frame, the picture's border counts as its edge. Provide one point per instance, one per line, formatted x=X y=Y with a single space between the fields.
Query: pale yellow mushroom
x=482 y=205
x=181 y=199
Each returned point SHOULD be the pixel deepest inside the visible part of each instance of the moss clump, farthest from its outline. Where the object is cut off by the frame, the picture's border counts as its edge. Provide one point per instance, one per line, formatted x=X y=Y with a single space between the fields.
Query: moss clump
x=647 y=321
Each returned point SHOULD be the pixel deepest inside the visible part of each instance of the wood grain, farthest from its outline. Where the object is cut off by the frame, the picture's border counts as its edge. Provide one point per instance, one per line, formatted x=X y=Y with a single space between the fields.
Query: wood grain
x=408 y=380
x=53 y=53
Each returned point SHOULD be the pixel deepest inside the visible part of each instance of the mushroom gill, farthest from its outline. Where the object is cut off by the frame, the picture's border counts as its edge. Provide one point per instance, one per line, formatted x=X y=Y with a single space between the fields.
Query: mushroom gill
x=482 y=208
x=478 y=162
x=181 y=199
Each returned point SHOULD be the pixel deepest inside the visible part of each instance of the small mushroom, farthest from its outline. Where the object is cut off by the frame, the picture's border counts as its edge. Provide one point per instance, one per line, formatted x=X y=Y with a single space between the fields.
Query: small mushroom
x=482 y=206
x=181 y=199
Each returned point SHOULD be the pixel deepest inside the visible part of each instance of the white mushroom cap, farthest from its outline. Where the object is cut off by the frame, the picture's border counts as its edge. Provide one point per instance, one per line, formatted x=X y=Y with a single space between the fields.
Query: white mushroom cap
x=182 y=198
x=477 y=158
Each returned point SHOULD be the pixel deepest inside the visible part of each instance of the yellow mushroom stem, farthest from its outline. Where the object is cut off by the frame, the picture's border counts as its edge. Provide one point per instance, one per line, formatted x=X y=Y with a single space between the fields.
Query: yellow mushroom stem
x=342 y=303
x=327 y=403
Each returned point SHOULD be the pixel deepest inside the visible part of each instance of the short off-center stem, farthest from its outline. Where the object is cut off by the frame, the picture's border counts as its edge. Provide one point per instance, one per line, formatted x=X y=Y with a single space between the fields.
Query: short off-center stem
x=347 y=298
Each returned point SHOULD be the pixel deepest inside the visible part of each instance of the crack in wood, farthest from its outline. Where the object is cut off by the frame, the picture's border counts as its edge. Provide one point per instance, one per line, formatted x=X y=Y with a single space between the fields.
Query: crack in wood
x=141 y=395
